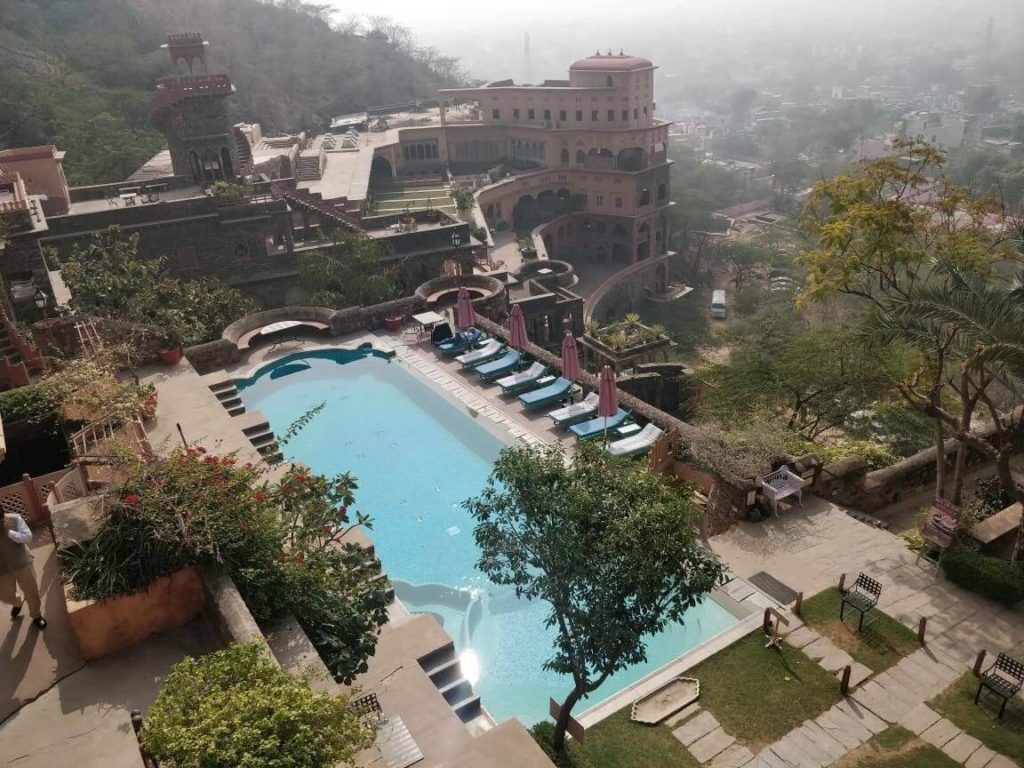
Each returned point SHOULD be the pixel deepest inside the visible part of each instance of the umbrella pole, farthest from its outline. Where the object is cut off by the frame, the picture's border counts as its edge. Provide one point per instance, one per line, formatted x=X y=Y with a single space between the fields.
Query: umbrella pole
x=606 y=430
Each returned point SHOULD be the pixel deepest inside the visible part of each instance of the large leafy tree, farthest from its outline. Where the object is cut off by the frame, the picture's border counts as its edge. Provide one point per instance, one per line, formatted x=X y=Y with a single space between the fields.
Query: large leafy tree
x=606 y=543
x=353 y=272
x=108 y=278
x=972 y=330
x=811 y=373
x=879 y=229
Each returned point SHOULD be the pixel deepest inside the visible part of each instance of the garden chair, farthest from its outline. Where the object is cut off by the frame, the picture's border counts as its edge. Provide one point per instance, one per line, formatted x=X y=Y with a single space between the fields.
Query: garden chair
x=862 y=597
x=781 y=484
x=369 y=706
x=940 y=528
x=1004 y=679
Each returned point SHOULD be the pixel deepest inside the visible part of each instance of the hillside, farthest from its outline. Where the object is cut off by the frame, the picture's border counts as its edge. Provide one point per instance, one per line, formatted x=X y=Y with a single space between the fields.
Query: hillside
x=79 y=74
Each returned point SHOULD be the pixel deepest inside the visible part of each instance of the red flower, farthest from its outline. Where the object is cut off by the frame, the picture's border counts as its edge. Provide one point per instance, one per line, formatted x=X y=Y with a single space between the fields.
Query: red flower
x=260 y=496
x=201 y=449
x=131 y=499
x=301 y=478
x=228 y=462
x=342 y=510
x=211 y=460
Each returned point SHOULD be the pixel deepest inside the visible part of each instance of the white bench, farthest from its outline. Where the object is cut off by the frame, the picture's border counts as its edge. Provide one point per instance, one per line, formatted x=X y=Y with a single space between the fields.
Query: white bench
x=781 y=484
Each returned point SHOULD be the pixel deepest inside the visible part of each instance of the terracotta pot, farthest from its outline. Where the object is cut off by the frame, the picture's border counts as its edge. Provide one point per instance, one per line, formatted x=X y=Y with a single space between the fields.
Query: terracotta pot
x=171 y=356
x=394 y=323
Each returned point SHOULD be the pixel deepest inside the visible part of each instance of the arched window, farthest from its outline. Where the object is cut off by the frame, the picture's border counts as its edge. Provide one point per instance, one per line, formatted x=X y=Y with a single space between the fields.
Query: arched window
x=662 y=192
x=211 y=166
x=565 y=157
x=581 y=157
x=609 y=82
x=197 y=170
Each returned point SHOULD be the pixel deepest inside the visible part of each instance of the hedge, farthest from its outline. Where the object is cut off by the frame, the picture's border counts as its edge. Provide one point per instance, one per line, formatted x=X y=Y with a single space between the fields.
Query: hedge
x=33 y=402
x=988 y=576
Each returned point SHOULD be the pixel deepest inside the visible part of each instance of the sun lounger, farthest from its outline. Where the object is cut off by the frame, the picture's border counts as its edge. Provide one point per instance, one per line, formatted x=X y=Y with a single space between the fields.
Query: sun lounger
x=522 y=381
x=441 y=334
x=575 y=413
x=635 y=445
x=588 y=430
x=552 y=393
x=499 y=367
x=460 y=342
x=490 y=350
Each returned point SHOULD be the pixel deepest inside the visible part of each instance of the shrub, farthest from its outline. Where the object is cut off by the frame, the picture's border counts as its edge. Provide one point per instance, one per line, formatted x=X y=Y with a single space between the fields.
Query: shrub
x=990 y=497
x=464 y=199
x=280 y=542
x=988 y=576
x=236 y=708
x=33 y=402
x=228 y=193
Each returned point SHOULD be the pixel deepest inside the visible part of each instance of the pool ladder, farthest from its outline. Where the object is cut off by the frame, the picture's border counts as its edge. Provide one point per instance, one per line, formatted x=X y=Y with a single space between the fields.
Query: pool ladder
x=445 y=672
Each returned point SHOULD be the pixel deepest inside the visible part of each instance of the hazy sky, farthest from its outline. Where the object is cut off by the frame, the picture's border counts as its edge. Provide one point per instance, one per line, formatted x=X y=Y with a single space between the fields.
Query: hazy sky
x=488 y=35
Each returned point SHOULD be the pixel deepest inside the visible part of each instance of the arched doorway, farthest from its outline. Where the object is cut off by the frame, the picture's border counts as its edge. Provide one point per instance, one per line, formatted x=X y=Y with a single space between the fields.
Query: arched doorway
x=381 y=171
x=524 y=212
x=581 y=157
x=197 y=169
x=225 y=163
x=643 y=242
x=565 y=157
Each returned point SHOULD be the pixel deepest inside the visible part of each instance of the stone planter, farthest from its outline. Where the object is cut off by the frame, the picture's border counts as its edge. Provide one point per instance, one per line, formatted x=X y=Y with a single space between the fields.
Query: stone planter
x=394 y=323
x=111 y=625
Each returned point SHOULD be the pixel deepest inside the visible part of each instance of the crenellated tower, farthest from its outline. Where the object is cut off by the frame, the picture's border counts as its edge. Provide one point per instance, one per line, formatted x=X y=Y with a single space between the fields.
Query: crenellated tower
x=193 y=112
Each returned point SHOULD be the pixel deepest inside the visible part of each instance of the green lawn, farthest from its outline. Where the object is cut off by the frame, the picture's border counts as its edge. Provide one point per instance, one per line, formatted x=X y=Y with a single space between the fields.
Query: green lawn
x=897 y=747
x=956 y=703
x=618 y=742
x=877 y=647
x=759 y=694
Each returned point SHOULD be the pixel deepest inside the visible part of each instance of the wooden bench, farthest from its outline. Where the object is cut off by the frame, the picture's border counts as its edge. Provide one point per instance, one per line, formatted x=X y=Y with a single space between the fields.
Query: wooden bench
x=781 y=484
x=998 y=525
x=1004 y=679
x=862 y=597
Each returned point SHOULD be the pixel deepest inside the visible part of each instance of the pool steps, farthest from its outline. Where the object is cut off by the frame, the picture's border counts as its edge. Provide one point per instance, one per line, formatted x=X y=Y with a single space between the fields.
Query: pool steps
x=227 y=393
x=443 y=668
x=260 y=435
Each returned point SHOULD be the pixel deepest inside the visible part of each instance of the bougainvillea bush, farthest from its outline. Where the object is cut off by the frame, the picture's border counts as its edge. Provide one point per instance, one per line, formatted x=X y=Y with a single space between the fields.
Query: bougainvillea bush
x=282 y=543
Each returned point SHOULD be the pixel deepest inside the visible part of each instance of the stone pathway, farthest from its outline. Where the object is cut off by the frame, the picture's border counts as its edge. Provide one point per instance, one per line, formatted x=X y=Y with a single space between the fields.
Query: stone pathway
x=877 y=701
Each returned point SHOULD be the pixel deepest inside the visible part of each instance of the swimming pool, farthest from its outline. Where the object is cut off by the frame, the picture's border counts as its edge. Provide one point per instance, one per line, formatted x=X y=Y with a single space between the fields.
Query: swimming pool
x=417 y=456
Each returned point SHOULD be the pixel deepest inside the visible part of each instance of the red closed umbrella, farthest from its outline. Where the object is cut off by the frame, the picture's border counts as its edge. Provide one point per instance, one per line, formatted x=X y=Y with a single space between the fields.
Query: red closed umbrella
x=607 y=400
x=517 y=329
x=570 y=358
x=464 y=314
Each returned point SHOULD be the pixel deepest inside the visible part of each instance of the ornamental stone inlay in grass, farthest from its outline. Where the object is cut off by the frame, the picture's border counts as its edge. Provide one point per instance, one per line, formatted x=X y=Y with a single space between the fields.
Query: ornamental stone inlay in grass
x=877 y=646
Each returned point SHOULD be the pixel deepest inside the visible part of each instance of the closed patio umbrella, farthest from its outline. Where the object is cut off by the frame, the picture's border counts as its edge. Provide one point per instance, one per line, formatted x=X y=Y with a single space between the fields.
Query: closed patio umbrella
x=607 y=401
x=570 y=359
x=517 y=331
x=464 y=314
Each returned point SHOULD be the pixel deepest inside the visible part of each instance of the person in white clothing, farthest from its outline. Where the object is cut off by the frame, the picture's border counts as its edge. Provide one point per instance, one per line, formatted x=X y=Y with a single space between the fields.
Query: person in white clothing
x=16 y=570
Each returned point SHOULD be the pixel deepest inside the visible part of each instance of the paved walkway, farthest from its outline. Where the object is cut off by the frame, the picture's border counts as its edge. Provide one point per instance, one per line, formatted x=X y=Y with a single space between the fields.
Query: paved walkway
x=31 y=662
x=807 y=549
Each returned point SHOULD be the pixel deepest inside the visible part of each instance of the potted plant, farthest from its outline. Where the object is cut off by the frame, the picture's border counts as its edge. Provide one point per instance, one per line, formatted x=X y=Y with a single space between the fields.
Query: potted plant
x=171 y=353
x=149 y=401
x=394 y=322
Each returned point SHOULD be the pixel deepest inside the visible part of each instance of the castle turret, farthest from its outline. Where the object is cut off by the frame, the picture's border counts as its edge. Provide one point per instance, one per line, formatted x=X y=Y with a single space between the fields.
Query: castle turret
x=193 y=112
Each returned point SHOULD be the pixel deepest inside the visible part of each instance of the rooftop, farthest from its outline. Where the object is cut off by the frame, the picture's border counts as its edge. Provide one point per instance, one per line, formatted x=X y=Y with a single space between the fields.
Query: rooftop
x=610 y=62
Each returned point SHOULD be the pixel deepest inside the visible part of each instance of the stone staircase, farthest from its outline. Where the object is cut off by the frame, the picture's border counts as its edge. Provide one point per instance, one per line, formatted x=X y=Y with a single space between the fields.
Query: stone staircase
x=260 y=435
x=445 y=672
x=310 y=165
x=315 y=205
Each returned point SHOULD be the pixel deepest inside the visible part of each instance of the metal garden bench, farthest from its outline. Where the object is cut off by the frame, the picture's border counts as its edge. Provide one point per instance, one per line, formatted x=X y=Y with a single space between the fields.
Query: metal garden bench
x=862 y=597
x=1004 y=679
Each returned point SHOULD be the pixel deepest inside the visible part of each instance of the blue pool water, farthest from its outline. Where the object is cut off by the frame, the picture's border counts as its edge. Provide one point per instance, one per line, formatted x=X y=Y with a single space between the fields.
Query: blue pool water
x=417 y=456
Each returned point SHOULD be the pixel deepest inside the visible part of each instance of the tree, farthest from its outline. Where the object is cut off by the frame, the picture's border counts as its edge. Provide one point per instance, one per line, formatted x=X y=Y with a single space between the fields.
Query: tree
x=107 y=278
x=972 y=329
x=354 y=272
x=606 y=543
x=812 y=375
x=741 y=257
x=236 y=707
x=879 y=229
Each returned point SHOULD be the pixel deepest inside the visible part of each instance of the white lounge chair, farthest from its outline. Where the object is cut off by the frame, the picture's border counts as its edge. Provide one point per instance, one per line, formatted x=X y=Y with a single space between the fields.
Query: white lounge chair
x=517 y=382
x=637 y=444
x=575 y=413
x=491 y=349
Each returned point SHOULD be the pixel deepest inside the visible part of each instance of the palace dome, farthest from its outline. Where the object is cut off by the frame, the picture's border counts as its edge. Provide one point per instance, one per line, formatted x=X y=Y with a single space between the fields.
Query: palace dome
x=611 y=62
